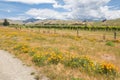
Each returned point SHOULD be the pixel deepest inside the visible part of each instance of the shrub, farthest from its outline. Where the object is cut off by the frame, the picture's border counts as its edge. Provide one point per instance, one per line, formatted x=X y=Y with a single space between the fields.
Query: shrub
x=22 y=48
x=110 y=43
x=83 y=62
x=55 y=58
x=87 y=63
x=32 y=51
x=107 y=69
x=74 y=62
x=5 y=23
x=39 y=59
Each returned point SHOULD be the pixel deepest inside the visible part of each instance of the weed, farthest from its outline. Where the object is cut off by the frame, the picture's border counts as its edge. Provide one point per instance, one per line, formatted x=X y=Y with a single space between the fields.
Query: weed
x=110 y=43
x=108 y=69
x=55 y=58
x=39 y=59
x=32 y=73
x=37 y=77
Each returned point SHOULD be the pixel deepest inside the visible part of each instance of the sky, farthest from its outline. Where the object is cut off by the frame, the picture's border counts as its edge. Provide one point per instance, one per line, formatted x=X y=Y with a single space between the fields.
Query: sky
x=60 y=9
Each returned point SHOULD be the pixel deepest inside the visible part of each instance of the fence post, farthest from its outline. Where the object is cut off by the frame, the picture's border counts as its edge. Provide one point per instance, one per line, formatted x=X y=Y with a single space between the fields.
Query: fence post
x=115 y=35
x=39 y=29
x=104 y=36
x=77 y=32
x=54 y=31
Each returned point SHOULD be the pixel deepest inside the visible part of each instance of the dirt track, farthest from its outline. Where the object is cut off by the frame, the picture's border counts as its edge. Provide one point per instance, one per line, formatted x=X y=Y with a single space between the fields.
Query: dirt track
x=13 y=69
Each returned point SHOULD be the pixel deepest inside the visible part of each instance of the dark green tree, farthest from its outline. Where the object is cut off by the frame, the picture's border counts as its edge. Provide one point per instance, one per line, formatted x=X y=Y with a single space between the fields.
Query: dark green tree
x=6 y=23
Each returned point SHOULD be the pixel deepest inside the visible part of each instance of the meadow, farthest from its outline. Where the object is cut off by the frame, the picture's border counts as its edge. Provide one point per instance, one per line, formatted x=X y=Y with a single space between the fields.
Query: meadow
x=64 y=54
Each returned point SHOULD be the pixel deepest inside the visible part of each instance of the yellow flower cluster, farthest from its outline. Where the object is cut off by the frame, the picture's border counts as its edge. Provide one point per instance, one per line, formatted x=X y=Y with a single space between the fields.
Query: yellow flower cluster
x=108 y=68
x=55 y=58
x=21 y=47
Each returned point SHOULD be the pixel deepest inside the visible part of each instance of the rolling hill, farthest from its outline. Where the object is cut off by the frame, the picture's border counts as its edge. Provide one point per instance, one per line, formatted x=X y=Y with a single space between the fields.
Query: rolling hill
x=33 y=21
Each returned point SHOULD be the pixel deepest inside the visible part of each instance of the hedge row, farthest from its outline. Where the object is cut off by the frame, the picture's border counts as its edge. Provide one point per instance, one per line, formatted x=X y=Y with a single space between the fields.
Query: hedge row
x=92 y=28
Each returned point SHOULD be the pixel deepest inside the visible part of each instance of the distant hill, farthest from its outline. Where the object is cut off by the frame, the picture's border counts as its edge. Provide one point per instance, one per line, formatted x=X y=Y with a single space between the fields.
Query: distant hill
x=1 y=22
x=33 y=21
x=58 y=22
x=114 y=22
x=12 y=21
x=15 y=22
x=30 y=20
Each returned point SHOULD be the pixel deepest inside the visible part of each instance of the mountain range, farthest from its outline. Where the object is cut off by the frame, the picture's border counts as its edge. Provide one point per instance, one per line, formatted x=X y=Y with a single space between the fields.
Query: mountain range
x=52 y=21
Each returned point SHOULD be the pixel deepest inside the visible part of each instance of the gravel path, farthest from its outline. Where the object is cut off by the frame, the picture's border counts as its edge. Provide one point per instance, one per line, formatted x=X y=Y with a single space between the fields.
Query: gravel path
x=13 y=69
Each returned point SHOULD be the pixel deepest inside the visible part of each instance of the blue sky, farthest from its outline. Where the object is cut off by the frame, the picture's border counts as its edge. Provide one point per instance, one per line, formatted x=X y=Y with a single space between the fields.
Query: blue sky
x=59 y=9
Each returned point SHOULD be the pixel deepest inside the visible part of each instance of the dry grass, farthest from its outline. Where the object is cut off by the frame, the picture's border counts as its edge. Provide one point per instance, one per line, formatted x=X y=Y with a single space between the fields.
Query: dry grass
x=65 y=41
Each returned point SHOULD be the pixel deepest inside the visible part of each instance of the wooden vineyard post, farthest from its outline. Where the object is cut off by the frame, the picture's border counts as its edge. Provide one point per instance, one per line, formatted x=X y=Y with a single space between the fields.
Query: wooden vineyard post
x=39 y=29
x=104 y=37
x=43 y=31
x=77 y=32
x=115 y=35
x=54 y=31
x=20 y=27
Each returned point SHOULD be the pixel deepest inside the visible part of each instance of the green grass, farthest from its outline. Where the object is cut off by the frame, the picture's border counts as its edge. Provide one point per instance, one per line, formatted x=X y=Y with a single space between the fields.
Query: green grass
x=110 y=43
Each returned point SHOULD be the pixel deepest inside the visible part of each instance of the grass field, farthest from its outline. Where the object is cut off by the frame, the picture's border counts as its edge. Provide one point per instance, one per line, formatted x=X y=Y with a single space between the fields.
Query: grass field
x=65 y=54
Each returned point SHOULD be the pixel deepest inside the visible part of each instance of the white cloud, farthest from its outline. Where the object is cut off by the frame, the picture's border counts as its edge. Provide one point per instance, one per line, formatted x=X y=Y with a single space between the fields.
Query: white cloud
x=87 y=9
x=8 y=11
x=110 y=14
x=17 y=18
x=74 y=9
x=45 y=14
x=32 y=1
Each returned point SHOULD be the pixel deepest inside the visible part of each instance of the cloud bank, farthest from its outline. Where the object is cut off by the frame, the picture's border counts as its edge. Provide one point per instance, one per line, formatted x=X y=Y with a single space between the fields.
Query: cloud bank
x=45 y=14
x=73 y=9
x=32 y=1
